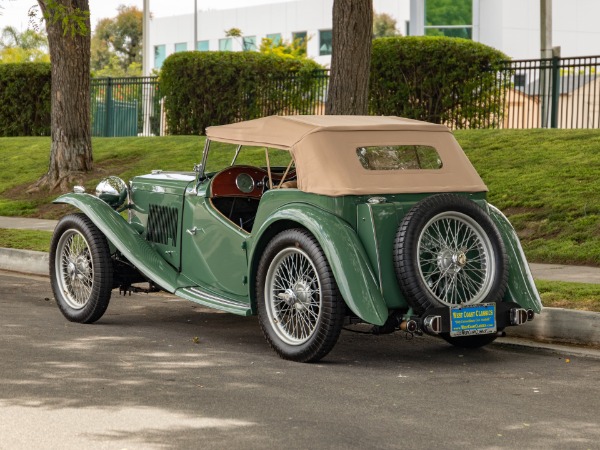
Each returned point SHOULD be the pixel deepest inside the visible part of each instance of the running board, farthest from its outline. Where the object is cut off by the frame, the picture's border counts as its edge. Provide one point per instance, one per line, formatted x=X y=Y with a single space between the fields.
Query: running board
x=198 y=295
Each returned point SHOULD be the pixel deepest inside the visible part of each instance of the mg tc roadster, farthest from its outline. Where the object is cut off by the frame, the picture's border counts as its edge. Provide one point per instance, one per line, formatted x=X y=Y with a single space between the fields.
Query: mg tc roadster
x=310 y=222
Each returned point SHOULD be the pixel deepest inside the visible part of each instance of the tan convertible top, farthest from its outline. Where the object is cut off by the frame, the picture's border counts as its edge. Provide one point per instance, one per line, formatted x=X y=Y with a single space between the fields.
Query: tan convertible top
x=324 y=150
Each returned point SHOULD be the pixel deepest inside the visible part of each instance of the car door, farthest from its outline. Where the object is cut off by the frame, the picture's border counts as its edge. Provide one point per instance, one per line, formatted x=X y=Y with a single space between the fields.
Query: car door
x=213 y=249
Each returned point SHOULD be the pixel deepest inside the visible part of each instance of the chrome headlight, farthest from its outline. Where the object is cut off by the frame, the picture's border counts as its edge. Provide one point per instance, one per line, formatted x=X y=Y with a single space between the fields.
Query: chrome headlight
x=113 y=191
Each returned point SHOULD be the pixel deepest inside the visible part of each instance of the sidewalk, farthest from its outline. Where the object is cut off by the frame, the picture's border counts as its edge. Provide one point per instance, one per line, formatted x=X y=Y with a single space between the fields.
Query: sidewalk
x=553 y=325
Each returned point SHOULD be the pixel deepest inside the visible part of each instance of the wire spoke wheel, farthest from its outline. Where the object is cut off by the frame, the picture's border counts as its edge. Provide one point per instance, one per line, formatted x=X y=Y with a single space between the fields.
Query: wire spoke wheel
x=299 y=307
x=75 y=269
x=81 y=269
x=293 y=293
x=456 y=259
x=447 y=252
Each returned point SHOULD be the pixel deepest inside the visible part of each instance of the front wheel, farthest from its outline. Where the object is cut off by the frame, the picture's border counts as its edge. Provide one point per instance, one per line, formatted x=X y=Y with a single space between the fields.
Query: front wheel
x=299 y=307
x=81 y=271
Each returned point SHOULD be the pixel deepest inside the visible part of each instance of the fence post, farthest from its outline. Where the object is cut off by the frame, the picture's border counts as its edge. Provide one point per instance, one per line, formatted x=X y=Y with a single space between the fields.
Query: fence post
x=108 y=113
x=555 y=91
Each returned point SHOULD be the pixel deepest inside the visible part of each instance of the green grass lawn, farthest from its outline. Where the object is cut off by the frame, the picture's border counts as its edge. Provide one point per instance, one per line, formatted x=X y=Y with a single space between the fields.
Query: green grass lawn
x=557 y=294
x=548 y=184
x=25 y=239
x=546 y=181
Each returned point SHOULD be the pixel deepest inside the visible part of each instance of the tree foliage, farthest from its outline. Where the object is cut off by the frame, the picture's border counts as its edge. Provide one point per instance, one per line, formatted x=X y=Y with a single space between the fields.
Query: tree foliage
x=285 y=49
x=384 y=25
x=26 y=46
x=449 y=12
x=116 y=45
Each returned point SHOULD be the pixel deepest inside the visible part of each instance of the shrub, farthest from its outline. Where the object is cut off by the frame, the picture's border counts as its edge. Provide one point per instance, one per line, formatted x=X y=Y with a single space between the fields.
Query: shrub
x=436 y=79
x=25 y=99
x=215 y=88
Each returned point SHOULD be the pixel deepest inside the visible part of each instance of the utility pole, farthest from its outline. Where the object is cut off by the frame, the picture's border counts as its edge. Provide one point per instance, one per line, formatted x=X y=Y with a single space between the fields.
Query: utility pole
x=195 y=24
x=546 y=54
x=146 y=55
x=146 y=39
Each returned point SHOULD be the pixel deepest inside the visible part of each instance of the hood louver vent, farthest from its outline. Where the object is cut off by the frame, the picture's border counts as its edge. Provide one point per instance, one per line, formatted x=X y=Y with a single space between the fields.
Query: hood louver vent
x=162 y=225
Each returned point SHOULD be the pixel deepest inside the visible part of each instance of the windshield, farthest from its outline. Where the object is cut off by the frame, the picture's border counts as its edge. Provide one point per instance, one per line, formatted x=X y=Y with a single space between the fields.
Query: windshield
x=221 y=156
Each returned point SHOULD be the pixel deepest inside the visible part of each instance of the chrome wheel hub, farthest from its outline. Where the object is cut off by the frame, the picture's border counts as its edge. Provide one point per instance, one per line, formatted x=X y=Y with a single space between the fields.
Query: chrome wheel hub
x=74 y=267
x=451 y=261
x=293 y=296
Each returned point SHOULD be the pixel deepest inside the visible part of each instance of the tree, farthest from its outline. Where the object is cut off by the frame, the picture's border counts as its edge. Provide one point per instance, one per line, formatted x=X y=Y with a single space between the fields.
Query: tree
x=117 y=43
x=384 y=25
x=350 y=58
x=67 y=25
x=26 y=46
x=449 y=12
x=294 y=49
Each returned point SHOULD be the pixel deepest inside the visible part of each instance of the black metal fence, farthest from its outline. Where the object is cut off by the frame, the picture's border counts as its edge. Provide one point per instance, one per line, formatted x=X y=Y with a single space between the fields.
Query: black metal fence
x=129 y=106
x=546 y=93
x=550 y=93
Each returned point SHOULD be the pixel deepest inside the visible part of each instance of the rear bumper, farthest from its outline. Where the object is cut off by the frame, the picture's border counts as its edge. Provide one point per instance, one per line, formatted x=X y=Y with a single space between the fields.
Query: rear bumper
x=437 y=320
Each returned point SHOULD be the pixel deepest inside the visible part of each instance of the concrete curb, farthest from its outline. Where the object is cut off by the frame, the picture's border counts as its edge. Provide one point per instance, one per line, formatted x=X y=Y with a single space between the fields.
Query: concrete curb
x=559 y=325
x=25 y=261
x=553 y=325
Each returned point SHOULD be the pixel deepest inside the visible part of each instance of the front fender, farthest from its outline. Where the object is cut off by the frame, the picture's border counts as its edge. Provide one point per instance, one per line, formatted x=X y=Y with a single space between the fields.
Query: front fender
x=345 y=254
x=118 y=231
x=521 y=287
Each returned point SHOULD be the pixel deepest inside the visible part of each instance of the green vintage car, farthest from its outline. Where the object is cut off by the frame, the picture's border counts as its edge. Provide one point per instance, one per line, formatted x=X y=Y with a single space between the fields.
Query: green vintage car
x=343 y=220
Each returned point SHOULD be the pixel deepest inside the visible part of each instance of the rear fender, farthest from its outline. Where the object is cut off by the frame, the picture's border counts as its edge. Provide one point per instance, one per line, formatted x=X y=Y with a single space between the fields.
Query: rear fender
x=521 y=287
x=345 y=253
x=120 y=233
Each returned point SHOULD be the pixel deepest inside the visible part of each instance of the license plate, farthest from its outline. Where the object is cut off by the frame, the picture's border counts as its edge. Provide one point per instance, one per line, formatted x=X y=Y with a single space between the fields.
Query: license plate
x=473 y=319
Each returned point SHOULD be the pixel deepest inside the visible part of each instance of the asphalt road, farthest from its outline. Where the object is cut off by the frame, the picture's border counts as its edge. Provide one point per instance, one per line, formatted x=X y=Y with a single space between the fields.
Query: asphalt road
x=158 y=372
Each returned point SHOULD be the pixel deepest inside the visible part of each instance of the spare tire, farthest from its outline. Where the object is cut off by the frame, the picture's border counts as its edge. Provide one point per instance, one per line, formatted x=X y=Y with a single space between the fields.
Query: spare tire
x=448 y=252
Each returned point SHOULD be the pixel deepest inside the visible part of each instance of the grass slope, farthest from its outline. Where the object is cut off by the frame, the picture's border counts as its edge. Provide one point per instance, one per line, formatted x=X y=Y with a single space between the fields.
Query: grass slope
x=548 y=184
x=546 y=181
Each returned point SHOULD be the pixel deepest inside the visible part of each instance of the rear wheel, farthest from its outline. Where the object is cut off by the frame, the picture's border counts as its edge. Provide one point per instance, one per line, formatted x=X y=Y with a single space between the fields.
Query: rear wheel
x=299 y=307
x=81 y=271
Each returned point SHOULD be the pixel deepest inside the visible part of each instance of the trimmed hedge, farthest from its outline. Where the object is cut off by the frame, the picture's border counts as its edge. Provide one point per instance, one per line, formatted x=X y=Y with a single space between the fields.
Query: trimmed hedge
x=437 y=79
x=214 y=88
x=25 y=99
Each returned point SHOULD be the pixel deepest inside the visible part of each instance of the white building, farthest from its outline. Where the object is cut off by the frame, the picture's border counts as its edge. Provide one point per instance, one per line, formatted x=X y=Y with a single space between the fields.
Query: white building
x=512 y=26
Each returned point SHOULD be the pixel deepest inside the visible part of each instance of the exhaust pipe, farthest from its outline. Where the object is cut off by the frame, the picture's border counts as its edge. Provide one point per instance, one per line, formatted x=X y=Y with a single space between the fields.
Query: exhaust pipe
x=530 y=314
x=433 y=324
x=519 y=316
x=409 y=326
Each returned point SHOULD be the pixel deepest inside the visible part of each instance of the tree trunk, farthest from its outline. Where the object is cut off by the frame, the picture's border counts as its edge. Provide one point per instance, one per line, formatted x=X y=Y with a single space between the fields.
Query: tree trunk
x=71 y=150
x=350 y=57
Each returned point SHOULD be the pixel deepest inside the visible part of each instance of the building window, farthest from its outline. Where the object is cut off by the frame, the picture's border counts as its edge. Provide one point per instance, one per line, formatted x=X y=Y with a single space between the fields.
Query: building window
x=181 y=47
x=202 y=46
x=225 y=45
x=275 y=39
x=160 y=53
x=451 y=19
x=325 y=42
x=249 y=43
x=300 y=37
